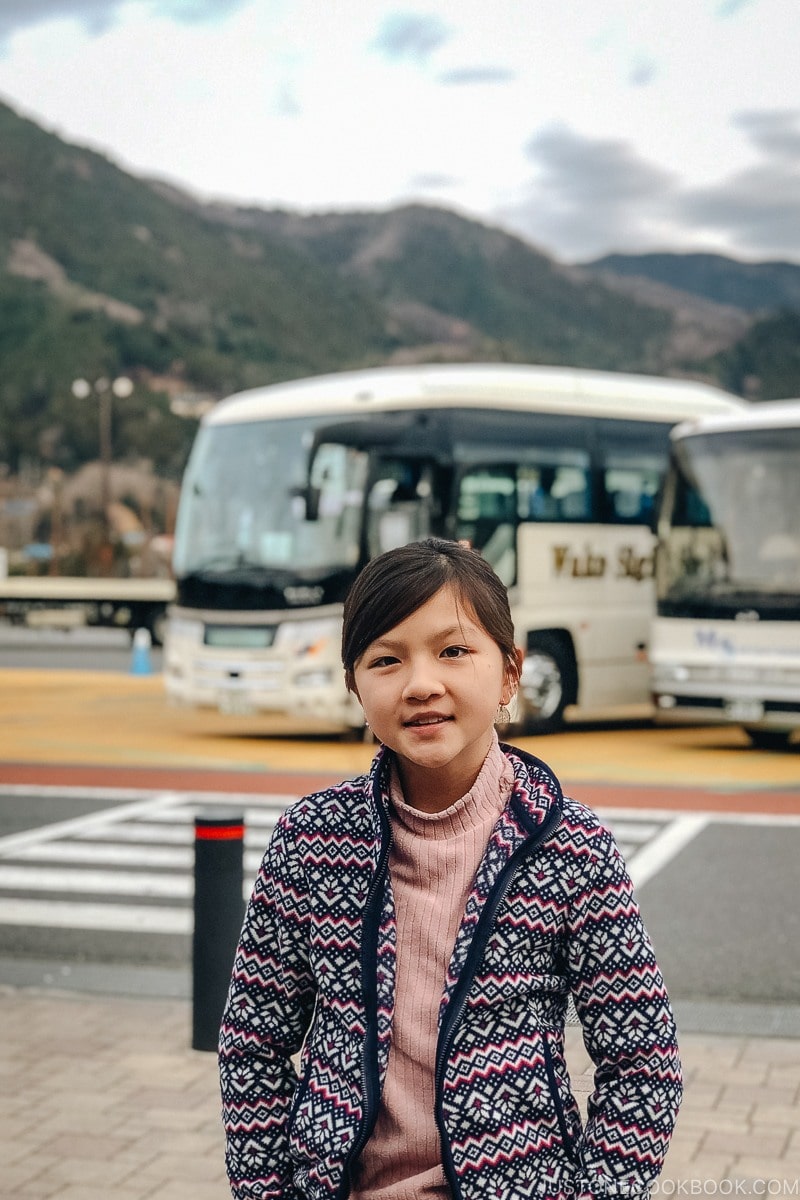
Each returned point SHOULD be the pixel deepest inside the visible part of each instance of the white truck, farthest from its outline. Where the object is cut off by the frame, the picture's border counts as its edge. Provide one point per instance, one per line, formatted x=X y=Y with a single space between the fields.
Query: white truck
x=62 y=602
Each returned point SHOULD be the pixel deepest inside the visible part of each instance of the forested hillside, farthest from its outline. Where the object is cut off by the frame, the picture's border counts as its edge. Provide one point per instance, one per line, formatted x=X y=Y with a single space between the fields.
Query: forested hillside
x=103 y=274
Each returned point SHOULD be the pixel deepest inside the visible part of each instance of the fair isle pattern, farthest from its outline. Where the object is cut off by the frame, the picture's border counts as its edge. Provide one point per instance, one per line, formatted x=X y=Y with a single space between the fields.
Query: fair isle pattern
x=551 y=914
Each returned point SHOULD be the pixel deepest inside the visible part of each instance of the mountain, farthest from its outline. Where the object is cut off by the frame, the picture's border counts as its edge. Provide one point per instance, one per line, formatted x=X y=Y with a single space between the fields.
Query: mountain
x=454 y=287
x=103 y=273
x=763 y=361
x=751 y=287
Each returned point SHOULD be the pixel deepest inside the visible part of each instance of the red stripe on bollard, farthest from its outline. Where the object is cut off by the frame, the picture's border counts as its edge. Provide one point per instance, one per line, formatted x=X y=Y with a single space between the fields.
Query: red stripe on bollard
x=218 y=833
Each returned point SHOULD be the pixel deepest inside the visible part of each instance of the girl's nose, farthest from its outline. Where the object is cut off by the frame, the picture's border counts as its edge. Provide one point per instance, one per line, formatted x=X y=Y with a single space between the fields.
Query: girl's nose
x=422 y=682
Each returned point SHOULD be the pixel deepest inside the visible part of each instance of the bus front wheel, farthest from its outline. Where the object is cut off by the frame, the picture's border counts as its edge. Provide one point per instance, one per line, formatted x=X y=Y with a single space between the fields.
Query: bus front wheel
x=768 y=739
x=548 y=683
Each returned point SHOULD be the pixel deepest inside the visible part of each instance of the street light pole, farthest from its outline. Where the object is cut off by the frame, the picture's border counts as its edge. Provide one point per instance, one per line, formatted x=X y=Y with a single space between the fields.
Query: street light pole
x=122 y=387
x=103 y=389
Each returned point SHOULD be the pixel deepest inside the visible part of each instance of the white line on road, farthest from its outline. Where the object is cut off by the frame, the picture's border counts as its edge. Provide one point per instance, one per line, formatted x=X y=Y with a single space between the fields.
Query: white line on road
x=654 y=855
x=111 y=854
x=42 y=880
x=257 y=817
x=179 y=834
x=111 y=883
x=82 y=825
x=119 y=918
x=634 y=831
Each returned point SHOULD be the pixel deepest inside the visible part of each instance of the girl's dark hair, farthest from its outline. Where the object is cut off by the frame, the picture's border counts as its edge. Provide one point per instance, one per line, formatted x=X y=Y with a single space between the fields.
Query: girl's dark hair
x=394 y=585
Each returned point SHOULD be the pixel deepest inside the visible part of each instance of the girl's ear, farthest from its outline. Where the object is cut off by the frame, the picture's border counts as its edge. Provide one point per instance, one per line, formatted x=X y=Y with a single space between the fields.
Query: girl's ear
x=513 y=672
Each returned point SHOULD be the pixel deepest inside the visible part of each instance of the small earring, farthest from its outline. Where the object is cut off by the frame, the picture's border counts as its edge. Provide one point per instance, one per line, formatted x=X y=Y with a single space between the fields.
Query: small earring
x=503 y=715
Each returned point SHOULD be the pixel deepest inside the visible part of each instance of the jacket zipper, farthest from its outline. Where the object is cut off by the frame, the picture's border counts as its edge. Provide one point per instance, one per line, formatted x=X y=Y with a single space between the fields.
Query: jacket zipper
x=370 y=984
x=458 y=1003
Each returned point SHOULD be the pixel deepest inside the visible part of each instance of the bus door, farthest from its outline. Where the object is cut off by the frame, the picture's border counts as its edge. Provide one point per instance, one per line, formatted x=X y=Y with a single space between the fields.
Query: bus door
x=399 y=499
x=401 y=502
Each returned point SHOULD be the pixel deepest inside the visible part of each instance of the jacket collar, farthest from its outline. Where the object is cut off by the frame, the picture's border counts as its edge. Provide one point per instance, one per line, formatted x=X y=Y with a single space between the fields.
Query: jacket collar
x=536 y=789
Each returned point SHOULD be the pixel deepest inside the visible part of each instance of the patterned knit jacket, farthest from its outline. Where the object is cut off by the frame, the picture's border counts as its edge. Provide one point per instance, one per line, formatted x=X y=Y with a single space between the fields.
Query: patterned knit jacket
x=551 y=913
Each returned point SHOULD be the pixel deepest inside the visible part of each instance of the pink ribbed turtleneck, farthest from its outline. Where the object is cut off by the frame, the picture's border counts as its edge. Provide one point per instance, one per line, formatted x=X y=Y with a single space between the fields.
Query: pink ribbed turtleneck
x=432 y=864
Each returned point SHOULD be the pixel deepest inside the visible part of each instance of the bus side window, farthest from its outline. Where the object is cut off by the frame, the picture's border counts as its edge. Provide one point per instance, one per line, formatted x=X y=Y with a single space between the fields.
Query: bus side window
x=554 y=492
x=486 y=517
x=631 y=491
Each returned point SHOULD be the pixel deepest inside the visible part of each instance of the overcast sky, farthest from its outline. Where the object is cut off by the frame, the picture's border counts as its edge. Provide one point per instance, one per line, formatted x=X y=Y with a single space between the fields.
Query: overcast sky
x=585 y=125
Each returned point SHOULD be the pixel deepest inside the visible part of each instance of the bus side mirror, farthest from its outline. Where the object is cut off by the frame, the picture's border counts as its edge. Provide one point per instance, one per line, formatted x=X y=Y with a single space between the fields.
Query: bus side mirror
x=658 y=504
x=309 y=496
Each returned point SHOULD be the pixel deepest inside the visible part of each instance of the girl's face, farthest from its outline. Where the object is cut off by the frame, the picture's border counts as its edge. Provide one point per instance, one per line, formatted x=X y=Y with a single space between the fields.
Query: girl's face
x=430 y=688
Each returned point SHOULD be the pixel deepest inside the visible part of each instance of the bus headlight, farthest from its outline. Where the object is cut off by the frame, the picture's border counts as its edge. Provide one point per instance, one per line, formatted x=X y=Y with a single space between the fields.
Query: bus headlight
x=665 y=674
x=308 y=639
x=185 y=631
x=313 y=679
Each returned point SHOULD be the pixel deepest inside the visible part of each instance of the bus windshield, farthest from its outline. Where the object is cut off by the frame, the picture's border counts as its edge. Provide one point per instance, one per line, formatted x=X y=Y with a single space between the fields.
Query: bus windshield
x=243 y=501
x=729 y=529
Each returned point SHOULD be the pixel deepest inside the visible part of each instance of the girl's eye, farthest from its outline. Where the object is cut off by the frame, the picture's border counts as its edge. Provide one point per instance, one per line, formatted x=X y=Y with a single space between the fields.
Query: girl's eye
x=385 y=660
x=455 y=652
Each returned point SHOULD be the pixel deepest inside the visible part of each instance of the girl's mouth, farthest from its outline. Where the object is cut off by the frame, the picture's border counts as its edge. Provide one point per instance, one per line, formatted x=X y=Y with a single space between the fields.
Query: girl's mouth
x=427 y=719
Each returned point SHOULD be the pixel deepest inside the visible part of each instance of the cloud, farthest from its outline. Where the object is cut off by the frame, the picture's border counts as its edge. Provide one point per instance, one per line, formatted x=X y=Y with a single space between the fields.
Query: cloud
x=756 y=208
x=433 y=181
x=286 y=102
x=729 y=8
x=196 y=11
x=98 y=15
x=643 y=72
x=412 y=36
x=773 y=132
x=466 y=76
x=589 y=194
x=94 y=15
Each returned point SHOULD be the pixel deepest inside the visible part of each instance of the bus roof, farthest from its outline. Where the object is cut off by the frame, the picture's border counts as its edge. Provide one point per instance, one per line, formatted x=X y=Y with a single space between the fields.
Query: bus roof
x=478 y=385
x=773 y=414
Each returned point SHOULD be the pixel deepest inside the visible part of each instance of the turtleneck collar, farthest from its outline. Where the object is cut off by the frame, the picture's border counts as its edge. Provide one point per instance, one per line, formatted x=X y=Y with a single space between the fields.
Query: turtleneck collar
x=486 y=798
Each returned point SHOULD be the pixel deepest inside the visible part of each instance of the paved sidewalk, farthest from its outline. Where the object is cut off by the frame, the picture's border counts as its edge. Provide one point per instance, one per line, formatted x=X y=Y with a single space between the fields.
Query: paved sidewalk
x=102 y=1097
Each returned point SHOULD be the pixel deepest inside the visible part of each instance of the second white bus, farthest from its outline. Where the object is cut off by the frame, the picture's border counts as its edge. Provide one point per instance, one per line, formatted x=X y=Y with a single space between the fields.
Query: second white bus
x=551 y=474
x=726 y=639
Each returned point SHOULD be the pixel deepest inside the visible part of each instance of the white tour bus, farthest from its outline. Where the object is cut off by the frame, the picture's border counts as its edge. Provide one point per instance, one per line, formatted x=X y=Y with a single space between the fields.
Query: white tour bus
x=551 y=474
x=726 y=638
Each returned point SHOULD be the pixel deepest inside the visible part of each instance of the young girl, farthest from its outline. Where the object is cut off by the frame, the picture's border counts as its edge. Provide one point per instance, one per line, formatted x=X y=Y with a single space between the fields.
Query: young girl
x=418 y=932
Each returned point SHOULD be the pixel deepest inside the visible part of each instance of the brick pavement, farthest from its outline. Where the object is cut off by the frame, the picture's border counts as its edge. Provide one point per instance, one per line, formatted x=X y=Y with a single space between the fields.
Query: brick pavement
x=102 y=1096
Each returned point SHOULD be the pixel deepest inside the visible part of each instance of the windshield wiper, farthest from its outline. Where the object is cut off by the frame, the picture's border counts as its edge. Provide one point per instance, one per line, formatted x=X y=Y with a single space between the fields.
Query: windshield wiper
x=225 y=563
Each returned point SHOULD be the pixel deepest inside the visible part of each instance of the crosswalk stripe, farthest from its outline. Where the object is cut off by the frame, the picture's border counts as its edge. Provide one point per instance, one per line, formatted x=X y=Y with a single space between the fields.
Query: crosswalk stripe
x=635 y=831
x=110 y=883
x=158 y=835
x=658 y=852
x=264 y=815
x=119 y=918
x=83 y=825
x=144 y=848
x=111 y=854
x=108 y=854
x=114 y=883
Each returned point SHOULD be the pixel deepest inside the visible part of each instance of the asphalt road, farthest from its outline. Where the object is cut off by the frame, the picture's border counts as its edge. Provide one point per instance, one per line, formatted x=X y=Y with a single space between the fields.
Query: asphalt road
x=105 y=877
x=69 y=649
x=96 y=860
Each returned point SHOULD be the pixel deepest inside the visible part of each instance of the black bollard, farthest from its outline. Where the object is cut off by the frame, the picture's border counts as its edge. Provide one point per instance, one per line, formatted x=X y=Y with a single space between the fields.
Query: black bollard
x=218 y=915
